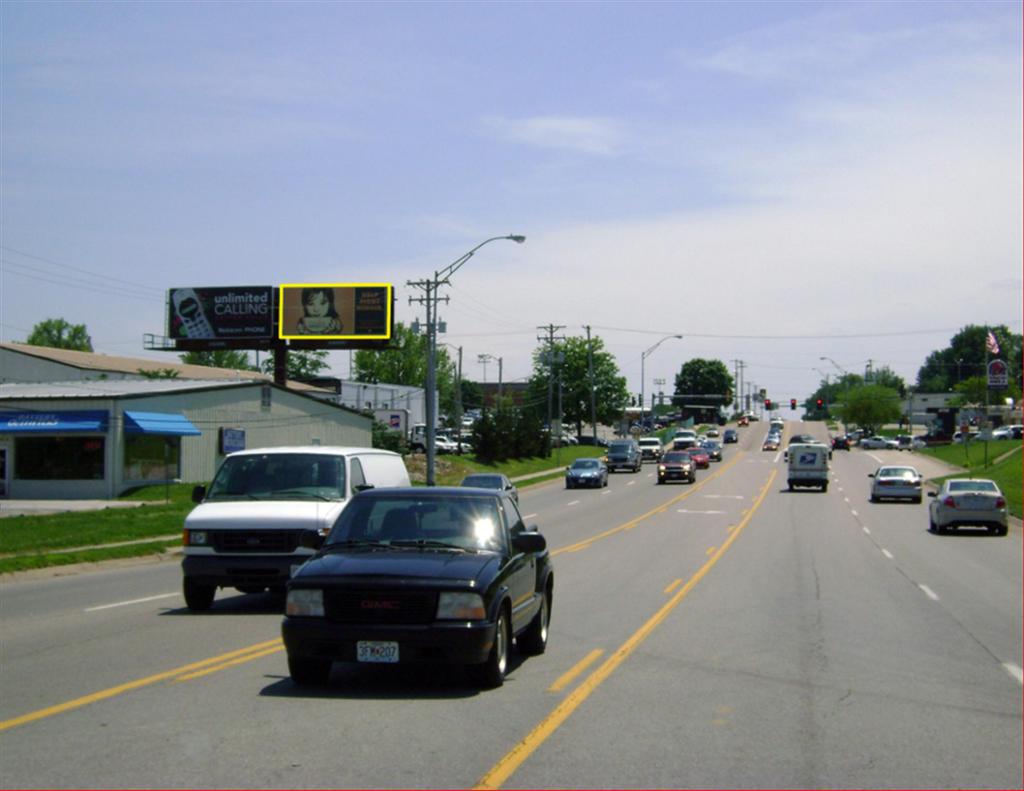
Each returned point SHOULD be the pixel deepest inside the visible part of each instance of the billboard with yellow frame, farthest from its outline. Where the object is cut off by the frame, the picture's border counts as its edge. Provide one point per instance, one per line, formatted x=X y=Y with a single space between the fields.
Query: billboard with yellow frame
x=335 y=311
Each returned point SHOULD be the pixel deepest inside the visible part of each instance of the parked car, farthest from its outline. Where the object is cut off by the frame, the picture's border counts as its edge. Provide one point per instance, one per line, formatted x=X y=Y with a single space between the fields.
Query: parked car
x=895 y=483
x=701 y=458
x=491 y=480
x=879 y=443
x=623 y=454
x=840 y=442
x=962 y=502
x=676 y=465
x=729 y=436
x=650 y=448
x=415 y=574
x=586 y=472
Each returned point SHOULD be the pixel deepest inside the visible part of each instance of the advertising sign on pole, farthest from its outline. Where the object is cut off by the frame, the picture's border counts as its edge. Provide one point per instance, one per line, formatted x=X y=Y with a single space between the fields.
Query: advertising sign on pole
x=998 y=374
x=335 y=311
x=237 y=313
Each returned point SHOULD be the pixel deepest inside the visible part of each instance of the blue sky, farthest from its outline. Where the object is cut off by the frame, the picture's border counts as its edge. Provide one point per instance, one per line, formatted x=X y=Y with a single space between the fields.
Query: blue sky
x=777 y=182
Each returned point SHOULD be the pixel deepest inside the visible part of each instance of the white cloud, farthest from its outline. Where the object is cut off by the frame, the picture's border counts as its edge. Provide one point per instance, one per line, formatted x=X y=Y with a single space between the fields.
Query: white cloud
x=600 y=136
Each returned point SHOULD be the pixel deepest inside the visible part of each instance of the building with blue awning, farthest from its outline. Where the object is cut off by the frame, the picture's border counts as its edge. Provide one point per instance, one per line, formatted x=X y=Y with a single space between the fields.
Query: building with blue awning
x=96 y=439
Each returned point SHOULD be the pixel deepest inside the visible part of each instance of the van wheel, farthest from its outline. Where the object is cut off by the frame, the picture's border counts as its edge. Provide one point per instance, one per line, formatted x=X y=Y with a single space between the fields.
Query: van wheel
x=198 y=595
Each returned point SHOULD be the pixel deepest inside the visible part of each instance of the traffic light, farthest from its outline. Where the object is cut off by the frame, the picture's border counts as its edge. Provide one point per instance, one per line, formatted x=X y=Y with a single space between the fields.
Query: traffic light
x=792 y=403
x=767 y=403
x=819 y=403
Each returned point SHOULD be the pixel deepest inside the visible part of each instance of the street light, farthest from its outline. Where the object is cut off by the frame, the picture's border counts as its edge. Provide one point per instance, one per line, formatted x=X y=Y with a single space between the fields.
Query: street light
x=643 y=357
x=430 y=300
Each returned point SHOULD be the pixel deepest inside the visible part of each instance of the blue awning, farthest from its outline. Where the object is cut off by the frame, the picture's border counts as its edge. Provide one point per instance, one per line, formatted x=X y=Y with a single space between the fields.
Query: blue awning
x=90 y=420
x=163 y=423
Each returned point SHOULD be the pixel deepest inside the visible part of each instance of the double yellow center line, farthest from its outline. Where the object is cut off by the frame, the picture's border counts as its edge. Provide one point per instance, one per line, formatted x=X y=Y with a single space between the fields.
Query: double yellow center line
x=184 y=673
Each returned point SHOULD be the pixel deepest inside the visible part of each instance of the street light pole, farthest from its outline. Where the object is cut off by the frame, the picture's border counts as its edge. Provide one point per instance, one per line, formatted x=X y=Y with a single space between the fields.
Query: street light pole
x=430 y=300
x=643 y=390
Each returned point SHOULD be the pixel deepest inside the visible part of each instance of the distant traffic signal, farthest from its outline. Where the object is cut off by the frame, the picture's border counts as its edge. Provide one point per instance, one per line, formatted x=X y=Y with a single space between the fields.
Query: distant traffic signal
x=792 y=403
x=767 y=403
x=819 y=403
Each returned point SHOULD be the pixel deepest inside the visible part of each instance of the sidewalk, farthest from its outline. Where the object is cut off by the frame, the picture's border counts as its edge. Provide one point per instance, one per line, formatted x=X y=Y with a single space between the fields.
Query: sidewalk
x=42 y=507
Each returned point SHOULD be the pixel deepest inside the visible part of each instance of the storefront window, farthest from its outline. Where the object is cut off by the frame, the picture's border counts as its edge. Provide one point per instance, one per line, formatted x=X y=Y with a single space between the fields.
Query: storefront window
x=58 y=458
x=149 y=457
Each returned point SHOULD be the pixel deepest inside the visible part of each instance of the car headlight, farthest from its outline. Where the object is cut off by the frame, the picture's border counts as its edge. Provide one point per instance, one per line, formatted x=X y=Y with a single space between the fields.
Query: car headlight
x=308 y=602
x=194 y=538
x=452 y=606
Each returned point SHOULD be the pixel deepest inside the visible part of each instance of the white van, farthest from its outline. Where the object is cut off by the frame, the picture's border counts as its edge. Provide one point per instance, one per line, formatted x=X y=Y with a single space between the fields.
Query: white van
x=246 y=529
x=808 y=465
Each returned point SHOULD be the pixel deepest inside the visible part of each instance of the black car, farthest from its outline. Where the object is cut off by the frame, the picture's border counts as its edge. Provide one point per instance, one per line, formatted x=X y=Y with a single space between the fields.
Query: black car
x=491 y=480
x=729 y=436
x=840 y=442
x=411 y=575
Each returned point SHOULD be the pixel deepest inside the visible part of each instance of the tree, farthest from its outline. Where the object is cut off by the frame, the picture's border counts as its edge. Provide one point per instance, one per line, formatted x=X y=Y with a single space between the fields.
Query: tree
x=58 y=334
x=234 y=359
x=965 y=358
x=571 y=368
x=871 y=407
x=702 y=388
x=302 y=365
x=404 y=362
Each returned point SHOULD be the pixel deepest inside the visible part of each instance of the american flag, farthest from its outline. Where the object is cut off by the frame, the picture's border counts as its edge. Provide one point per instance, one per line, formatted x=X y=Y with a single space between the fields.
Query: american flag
x=991 y=344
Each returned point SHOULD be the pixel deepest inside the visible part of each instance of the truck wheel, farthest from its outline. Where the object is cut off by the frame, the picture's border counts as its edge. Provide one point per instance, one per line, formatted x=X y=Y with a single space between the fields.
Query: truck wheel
x=308 y=672
x=198 y=595
x=535 y=639
x=491 y=673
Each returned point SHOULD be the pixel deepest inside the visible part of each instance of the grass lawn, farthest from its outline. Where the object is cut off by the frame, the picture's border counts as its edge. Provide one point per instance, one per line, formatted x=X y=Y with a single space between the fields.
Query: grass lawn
x=29 y=542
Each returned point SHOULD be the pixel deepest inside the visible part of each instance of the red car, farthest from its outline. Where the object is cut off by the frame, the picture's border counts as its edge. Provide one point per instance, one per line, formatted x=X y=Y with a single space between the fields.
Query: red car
x=701 y=459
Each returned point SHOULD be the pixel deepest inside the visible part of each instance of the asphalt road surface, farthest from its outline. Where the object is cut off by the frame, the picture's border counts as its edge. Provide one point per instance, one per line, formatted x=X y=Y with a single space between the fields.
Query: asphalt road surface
x=722 y=634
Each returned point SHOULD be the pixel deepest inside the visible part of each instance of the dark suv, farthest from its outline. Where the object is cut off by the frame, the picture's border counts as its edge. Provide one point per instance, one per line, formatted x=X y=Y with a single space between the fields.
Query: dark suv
x=623 y=454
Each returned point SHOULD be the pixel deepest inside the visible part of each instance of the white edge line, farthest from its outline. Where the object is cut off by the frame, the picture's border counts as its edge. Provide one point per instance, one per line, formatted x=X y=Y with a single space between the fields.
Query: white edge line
x=929 y=592
x=133 y=601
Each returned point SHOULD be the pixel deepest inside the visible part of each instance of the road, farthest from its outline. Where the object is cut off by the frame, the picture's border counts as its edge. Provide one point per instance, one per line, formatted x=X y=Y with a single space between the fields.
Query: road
x=723 y=634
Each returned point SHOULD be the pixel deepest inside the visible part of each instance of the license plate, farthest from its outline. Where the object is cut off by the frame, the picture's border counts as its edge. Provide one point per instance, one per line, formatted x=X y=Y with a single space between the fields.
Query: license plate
x=377 y=651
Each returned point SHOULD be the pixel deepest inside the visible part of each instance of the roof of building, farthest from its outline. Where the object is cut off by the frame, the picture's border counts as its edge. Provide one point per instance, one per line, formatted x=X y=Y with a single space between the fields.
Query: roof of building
x=112 y=388
x=106 y=363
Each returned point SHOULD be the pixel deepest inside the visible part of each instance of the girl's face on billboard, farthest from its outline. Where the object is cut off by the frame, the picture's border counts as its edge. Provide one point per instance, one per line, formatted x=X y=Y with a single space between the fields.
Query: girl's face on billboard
x=317 y=304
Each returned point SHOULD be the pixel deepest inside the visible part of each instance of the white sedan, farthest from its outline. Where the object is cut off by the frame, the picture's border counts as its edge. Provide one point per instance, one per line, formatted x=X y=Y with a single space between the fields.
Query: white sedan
x=879 y=443
x=965 y=502
x=892 y=483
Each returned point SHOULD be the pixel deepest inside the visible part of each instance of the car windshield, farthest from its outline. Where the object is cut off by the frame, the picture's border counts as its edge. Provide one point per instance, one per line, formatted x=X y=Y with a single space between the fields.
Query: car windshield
x=676 y=457
x=972 y=486
x=585 y=464
x=620 y=447
x=277 y=476
x=470 y=523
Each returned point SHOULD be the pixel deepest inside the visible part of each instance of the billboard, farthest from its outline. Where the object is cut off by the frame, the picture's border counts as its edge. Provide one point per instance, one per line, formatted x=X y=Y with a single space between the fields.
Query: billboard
x=335 y=311
x=236 y=313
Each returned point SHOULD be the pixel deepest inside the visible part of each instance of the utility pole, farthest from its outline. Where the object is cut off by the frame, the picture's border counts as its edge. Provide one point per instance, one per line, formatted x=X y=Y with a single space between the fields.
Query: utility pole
x=593 y=394
x=551 y=329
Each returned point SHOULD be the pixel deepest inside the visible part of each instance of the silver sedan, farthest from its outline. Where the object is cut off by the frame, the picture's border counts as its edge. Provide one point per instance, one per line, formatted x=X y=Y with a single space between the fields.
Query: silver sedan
x=968 y=502
x=895 y=483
